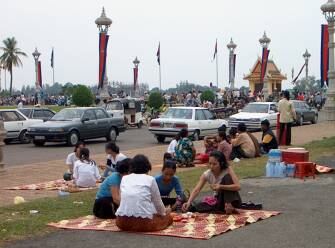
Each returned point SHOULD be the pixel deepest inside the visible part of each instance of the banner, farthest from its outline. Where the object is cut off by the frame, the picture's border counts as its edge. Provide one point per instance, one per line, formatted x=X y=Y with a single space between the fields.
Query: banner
x=103 y=41
x=296 y=78
x=158 y=54
x=52 y=58
x=135 y=77
x=39 y=74
x=215 y=50
x=264 y=64
x=324 y=54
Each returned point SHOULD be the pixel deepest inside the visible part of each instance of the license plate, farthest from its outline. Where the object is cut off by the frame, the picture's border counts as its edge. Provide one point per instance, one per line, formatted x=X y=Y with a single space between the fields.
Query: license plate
x=39 y=137
x=168 y=125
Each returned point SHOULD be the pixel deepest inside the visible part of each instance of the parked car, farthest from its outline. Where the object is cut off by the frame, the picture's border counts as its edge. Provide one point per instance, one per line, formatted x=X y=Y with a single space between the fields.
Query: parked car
x=254 y=113
x=199 y=122
x=305 y=113
x=73 y=124
x=37 y=113
x=16 y=125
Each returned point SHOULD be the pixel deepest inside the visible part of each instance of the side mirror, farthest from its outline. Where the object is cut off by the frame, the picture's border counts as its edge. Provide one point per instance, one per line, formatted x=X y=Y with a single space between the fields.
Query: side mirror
x=84 y=120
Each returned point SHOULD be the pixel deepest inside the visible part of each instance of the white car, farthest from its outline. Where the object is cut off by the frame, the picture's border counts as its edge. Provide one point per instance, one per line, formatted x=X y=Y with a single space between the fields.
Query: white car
x=254 y=113
x=199 y=122
x=16 y=125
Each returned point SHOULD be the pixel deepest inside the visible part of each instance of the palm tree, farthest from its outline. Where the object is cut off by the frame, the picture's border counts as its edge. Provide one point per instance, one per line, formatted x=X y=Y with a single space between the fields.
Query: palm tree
x=11 y=57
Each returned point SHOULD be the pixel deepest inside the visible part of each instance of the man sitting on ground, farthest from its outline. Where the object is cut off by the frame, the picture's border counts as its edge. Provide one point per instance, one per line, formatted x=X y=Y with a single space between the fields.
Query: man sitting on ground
x=269 y=140
x=243 y=145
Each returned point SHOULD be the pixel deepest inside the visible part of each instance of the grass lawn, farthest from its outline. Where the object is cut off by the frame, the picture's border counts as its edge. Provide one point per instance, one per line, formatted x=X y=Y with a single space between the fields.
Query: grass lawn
x=16 y=222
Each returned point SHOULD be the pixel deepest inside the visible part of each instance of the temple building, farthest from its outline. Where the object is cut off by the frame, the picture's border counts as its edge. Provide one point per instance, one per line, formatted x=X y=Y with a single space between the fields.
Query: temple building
x=275 y=77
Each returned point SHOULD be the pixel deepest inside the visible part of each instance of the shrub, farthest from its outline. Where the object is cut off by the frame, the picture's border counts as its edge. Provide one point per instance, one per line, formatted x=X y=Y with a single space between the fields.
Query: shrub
x=155 y=100
x=207 y=95
x=82 y=96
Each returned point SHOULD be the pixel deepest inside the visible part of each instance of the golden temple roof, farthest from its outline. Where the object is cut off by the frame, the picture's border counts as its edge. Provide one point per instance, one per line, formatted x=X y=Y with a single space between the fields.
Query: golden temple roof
x=273 y=72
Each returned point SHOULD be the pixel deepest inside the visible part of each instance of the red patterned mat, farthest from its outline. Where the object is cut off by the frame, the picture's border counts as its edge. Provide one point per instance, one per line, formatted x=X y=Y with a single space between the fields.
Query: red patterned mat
x=203 y=226
x=51 y=185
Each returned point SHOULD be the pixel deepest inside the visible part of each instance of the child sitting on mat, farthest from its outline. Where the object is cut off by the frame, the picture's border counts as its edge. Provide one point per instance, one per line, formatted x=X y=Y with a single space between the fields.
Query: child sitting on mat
x=167 y=182
x=71 y=159
x=223 y=181
x=85 y=172
x=108 y=197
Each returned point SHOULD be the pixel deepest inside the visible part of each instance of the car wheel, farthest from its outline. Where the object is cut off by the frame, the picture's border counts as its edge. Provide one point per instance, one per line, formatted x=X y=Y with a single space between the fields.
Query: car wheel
x=73 y=139
x=315 y=119
x=39 y=142
x=196 y=135
x=112 y=134
x=301 y=121
x=23 y=137
x=161 y=139
x=140 y=124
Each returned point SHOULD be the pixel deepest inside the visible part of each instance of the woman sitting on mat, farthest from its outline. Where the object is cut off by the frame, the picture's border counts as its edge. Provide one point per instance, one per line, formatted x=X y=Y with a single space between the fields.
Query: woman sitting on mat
x=141 y=208
x=108 y=197
x=185 y=151
x=223 y=182
x=85 y=172
x=167 y=182
x=71 y=159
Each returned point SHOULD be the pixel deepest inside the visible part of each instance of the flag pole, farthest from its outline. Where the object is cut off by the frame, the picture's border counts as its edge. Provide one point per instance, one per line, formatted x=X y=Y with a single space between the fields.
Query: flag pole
x=53 y=66
x=160 y=77
x=217 y=71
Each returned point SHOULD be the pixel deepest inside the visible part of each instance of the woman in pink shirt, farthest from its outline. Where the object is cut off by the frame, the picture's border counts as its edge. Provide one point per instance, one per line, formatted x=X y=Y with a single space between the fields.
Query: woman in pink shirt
x=224 y=145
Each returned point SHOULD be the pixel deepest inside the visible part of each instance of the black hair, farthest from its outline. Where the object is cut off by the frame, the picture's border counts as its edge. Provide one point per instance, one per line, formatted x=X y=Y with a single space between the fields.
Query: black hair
x=177 y=137
x=123 y=166
x=140 y=164
x=242 y=127
x=183 y=133
x=265 y=123
x=223 y=135
x=219 y=156
x=113 y=147
x=223 y=128
x=80 y=143
x=286 y=94
x=167 y=156
x=170 y=164
x=84 y=153
x=232 y=131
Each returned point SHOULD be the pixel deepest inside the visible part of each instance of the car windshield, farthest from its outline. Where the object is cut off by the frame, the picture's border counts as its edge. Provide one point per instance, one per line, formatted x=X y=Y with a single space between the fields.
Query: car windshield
x=68 y=114
x=256 y=108
x=114 y=106
x=178 y=113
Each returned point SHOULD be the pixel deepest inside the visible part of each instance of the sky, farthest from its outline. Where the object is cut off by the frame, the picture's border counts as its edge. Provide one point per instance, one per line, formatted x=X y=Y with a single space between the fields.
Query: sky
x=186 y=29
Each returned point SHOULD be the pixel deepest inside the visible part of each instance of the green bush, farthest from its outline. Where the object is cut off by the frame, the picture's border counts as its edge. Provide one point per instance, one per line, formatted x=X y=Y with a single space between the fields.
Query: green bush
x=82 y=96
x=207 y=95
x=155 y=100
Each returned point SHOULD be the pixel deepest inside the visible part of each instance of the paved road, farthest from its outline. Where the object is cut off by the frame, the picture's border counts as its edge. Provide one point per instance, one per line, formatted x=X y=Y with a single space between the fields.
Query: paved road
x=307 y=221
x=18 y=154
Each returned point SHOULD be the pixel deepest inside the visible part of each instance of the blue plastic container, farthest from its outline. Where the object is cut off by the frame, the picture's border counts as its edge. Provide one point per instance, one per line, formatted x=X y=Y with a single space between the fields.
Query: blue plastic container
x=270 y=169
x=275 y=155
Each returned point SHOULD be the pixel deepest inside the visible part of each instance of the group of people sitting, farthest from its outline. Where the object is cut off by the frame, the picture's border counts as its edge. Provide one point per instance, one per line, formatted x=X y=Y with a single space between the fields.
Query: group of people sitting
x=239 y=143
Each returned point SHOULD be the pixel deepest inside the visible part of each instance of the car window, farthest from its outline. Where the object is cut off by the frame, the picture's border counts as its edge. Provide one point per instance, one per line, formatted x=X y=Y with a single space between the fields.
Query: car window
x=208 y=115
x=178 y=113
x=116 y=105
x=26 y=112
x=10 y=116
x=199 y=115
x=273 y=107
x=100 y=114
x=48 y=113
x=38 y=113
x=89 y=114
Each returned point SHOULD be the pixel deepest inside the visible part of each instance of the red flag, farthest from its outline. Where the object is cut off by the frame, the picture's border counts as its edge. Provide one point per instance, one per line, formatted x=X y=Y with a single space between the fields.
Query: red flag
x=103 y=41
x=135 y=77
x=324 y=54
x=296 y=78
x=39 y=74
x=158 y=54
x=264 y=64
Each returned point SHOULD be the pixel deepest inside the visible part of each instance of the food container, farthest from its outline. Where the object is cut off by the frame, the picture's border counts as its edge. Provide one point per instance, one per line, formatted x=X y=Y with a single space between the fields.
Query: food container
x=292 y=156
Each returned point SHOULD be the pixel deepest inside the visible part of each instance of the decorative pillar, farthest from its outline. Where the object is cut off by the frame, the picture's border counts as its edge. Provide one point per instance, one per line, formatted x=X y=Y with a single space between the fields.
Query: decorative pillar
x=231 y=46
x=306 y=56
x=328 y=10
x=136 y=86
x=3 y=133
x=36 y=54
x=265 y=41
x=103 y=23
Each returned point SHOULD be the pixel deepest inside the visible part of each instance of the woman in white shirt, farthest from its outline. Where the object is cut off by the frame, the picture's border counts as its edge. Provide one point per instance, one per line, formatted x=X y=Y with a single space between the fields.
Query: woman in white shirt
x=71 y=159
x=85 y=172
x=141 y=208
x=172 y=146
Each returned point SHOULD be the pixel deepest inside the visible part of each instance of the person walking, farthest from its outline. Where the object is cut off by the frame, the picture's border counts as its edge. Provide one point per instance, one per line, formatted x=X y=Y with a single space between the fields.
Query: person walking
x=286 y=119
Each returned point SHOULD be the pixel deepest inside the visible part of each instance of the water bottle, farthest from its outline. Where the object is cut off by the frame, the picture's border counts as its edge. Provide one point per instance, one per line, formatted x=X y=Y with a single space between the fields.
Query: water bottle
x=270 y=169
x=62 y=193
x=179 y=204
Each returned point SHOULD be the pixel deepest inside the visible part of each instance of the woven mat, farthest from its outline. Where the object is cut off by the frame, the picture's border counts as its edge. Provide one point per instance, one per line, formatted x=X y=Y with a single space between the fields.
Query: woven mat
x=203 y=226
x=51 y=185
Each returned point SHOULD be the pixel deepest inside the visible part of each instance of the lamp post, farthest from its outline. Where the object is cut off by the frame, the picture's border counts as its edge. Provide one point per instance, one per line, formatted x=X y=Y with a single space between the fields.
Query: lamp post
x=328 y=10
x=265 y=41
x=103 y=23
x=36 y=54
x=306 y=56
x=231 y=46
x=136 y=86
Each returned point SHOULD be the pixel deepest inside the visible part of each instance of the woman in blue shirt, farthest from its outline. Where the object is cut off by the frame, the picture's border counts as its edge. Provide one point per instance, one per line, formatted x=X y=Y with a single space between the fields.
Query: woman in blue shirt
x=167 y=182
x=108 y=197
